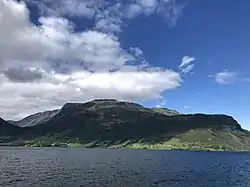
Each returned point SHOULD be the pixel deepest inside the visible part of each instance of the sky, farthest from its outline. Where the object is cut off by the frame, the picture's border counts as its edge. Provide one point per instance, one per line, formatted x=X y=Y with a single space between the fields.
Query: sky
x=188 y=55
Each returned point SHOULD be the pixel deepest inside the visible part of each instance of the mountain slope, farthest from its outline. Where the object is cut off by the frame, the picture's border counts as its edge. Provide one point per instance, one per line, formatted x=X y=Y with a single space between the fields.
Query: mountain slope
x=7 y=129
x=9 y=132
x=111 y=123
x=36 y=119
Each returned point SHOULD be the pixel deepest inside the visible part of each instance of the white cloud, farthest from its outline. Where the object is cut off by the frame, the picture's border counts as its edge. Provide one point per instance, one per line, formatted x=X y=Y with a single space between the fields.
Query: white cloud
x=132 y=11
x=55 y=40
x=148 y=6
x=186 y=60
x=226 y=77
x=187 y=69
x=148 y=3
x=19 y=99
x=170 y=10
x=110 y=19
x=187 y=64
x=136 y=51
x=42 y=67
x=109 y=16
x=77 y=7
x=85 y=8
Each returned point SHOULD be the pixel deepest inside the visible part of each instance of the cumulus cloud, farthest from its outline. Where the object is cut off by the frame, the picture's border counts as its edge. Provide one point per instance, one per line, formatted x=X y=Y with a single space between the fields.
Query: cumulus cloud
x=110 y=19
x=109 y=16
x=226 y=77
x=46 y=65
x=85 y=8
x=53 y=91
x=187 y=64
x=55 y=42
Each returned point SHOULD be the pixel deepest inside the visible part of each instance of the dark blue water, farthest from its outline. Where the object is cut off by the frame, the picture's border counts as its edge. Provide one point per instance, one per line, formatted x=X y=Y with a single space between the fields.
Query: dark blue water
x=31 y=167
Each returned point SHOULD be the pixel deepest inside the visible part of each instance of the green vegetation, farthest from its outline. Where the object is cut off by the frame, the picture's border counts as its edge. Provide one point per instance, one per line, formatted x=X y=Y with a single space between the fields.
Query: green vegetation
x=203 y=139
x=114 y=124
x=199 y=139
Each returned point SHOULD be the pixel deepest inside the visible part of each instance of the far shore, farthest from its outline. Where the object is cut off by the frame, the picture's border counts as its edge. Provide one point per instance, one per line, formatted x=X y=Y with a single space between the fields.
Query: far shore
x=137 y=147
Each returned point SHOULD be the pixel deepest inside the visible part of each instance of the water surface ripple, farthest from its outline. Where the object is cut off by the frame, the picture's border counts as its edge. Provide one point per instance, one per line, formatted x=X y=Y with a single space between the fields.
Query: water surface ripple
x=52 y=167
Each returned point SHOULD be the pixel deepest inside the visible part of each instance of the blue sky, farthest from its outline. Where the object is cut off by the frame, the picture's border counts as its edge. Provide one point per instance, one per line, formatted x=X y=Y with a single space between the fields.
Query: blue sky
x=217 y=34
x=131 y=50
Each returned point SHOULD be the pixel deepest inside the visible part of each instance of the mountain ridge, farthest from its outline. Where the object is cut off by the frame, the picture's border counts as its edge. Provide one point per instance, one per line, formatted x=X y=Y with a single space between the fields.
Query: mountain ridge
x=112 y=123
x=35 y=119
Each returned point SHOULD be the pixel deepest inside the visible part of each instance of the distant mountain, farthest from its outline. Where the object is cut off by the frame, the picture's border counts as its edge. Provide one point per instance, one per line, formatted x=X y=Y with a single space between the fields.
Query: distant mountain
x=112 y=123
x=36 y=119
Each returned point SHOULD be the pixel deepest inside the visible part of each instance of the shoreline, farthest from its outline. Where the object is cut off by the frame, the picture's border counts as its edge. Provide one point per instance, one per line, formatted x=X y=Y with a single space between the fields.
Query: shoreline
x=127 y=147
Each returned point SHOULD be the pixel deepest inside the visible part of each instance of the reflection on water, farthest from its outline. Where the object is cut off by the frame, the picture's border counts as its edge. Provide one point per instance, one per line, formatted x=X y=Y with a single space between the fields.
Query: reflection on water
x=31 y=167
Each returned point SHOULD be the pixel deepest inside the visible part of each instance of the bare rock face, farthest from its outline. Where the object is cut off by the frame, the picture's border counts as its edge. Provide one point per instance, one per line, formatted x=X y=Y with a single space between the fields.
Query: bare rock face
x=166 y=111
x=36 y=119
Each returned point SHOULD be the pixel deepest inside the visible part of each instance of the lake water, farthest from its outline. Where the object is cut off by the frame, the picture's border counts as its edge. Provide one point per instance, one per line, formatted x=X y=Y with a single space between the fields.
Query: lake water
x=41 y=167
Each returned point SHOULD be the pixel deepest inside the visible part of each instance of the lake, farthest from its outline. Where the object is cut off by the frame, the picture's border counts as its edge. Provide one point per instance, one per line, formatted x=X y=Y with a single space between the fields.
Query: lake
x=41 y=167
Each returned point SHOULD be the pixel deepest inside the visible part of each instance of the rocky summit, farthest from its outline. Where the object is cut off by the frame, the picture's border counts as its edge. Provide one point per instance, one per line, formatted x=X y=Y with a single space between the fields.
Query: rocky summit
x=118 y=124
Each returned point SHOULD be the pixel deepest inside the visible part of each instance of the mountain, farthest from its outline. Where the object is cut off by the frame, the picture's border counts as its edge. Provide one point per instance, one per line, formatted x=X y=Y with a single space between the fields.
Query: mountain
x=112 y=123
x=7 y=129
x=8 y=132
x=35 y=119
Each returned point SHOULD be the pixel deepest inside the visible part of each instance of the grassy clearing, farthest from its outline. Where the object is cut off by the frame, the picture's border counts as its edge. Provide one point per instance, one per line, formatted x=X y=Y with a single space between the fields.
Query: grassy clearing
x=201 y=139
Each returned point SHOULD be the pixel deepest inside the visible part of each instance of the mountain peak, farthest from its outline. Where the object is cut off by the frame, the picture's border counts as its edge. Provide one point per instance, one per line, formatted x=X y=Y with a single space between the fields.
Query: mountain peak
x=101 y=104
